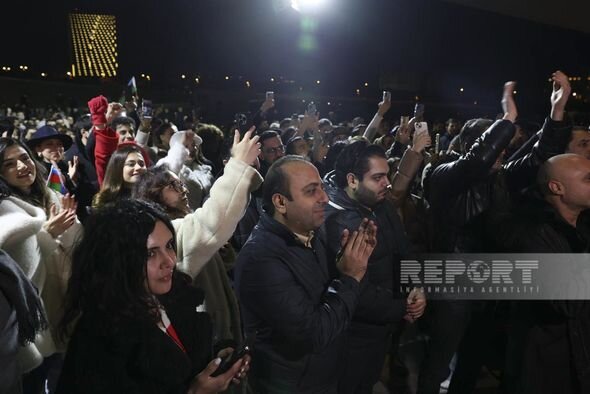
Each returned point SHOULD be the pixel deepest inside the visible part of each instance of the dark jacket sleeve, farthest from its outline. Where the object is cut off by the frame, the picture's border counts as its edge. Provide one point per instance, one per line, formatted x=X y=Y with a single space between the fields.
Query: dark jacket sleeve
x=376 y=304
x=105 y=372
x=522 y=172
x=457 y=176
x=269 y=290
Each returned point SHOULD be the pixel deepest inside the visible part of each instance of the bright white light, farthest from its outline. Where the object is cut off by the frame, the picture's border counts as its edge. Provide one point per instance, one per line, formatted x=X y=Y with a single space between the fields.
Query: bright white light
x=307 y=5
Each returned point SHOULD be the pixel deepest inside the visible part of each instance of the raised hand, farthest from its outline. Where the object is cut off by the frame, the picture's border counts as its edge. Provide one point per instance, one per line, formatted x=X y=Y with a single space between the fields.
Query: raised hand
x=113 y=111
x=309 y=122
x=61 y=220
x=73 y=169
x=403 y=134
x=131 y=106
x=559 y=95
x=98 y=108
x=356 y=249
x=508 y=104
x=384 y=106
x=420 y=141
x=267 y=104
x=248 y=149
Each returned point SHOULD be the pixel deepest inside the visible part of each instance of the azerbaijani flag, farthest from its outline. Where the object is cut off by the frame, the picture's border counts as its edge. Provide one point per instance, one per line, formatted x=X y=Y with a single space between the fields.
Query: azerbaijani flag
x=133 y=86
x=55 y=181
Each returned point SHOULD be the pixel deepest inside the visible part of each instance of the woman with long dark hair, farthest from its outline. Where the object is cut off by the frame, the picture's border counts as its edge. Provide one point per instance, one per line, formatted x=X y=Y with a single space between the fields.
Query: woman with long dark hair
x=202 y=233
x=131 y=315
x=125 y=166
x=38 y=227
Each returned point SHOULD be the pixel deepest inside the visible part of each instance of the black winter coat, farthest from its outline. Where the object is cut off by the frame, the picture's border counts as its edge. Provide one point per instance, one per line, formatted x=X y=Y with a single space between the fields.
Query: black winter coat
x=462 y=191
x=140 y=357
x=380 y=302
x=557 y=348
x=294 y=309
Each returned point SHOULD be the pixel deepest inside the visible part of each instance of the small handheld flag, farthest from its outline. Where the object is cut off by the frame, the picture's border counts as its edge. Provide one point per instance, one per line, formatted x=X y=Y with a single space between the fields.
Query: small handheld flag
x=133 y=86
x=55 y=181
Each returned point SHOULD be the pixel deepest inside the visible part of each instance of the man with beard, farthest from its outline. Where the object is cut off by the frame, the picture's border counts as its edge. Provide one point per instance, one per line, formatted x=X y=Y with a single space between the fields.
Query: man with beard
x=466 y=190
x=295 y=309
x=362 y=185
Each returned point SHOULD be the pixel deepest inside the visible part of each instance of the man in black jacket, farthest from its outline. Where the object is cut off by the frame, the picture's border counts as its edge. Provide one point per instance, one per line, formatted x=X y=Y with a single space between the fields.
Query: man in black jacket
x=362 y=184
x=289 y=301
x=556 y=345
x=463 y=192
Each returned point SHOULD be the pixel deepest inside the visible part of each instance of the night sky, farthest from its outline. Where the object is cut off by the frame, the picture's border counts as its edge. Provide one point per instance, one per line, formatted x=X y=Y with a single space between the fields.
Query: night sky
x=356 y=40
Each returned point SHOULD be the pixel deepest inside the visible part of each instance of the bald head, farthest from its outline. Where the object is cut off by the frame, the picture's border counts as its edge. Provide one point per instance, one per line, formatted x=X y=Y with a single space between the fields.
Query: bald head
x=565 y=181
x=558 y=168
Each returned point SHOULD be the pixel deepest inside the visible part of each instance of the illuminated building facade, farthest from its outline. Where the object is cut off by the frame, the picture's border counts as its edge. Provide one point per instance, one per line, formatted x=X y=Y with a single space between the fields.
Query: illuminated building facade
x=93 y=40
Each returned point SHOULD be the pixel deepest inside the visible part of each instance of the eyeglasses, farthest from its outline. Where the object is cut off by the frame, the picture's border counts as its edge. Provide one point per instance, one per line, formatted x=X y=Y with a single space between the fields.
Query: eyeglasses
x=278 y=149
x=177 y=185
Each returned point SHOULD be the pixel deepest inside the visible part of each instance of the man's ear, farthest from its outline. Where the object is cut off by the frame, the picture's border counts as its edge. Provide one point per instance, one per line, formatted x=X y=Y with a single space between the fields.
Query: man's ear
x=279 y=202
x=352 y=181
x=555 y=187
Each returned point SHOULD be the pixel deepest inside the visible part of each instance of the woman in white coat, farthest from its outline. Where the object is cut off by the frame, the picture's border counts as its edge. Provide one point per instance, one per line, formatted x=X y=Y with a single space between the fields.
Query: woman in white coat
x=38 y=227
x=200 y=234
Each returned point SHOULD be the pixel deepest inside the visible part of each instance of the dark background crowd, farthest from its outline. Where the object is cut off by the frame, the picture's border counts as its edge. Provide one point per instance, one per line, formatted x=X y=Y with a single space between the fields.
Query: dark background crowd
x=211 y=226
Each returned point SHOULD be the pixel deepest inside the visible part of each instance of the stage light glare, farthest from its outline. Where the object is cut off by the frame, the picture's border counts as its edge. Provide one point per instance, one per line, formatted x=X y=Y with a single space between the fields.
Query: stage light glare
x=304 y=6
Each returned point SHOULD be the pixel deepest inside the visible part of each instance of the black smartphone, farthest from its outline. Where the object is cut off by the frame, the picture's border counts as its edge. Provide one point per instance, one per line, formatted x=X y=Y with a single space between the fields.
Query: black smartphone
x=419 y=112
x=230 y=360
x=147 y=110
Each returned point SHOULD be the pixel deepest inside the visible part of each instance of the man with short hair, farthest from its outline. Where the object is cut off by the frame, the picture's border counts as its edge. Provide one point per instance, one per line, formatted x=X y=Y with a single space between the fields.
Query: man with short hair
x=362 y=185
x=125 y=128
x=452 y=129
x=271 y=149
x=579 y=142
x=290 y=303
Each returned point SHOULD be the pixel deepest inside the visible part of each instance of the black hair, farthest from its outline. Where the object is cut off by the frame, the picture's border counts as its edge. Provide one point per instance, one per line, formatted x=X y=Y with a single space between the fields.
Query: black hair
x=471 y=131
x=332 y=154
x=109 y=267
x=158 y=131
x=354 y=159
x=577 y=127
x=150 y=185
x=84 y=123
x=114 y=186
x=39 y=195
x=277 y=181
x=268 y=134
x=290 y=149
x=286 y=122
x=123 y=120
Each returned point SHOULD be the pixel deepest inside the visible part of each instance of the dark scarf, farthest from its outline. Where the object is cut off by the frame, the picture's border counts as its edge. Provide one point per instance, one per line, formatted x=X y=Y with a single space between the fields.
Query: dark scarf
x=22 y=295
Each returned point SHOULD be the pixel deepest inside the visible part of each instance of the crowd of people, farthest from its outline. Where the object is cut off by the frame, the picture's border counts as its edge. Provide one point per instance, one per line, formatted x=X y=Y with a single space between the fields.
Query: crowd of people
x=143 y=255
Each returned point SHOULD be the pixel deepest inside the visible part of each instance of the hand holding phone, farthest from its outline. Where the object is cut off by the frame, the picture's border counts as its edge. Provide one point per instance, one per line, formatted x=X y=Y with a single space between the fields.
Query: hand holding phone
x=421 y=127
x=230 y=360
x=421 y=139
x=269 y=101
